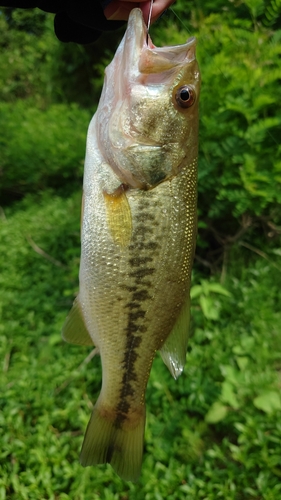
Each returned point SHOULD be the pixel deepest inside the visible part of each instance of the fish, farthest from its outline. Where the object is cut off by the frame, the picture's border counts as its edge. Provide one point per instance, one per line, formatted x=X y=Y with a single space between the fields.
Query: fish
x=138 y=236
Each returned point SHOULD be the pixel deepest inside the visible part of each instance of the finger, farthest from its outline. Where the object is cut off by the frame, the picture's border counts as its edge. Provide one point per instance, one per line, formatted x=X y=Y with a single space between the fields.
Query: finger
x=119 y=10
x=159 y=6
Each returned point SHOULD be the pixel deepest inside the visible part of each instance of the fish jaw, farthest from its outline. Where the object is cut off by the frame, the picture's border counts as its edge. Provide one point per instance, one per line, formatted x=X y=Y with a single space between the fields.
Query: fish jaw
x=144 y=135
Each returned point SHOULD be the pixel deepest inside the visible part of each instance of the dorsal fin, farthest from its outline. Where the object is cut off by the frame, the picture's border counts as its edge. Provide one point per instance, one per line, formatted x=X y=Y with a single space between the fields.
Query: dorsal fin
x=173 y=352
x=74 y=329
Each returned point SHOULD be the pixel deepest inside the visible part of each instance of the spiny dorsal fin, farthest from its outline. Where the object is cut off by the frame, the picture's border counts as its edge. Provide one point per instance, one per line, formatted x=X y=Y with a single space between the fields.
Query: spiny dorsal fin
x=173 y=352
x=119 y=217
x=74 y=329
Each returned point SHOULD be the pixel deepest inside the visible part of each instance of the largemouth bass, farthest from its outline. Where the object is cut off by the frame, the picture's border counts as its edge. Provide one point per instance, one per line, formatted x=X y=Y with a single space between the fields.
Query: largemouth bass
x=138 y=235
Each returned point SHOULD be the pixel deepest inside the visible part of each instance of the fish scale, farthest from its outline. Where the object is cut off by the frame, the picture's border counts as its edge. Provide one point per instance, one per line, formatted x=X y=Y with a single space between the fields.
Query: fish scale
x=138 y=237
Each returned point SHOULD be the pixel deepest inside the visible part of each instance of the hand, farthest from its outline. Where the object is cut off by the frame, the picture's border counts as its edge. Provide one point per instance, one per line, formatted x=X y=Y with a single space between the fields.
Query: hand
x=119 y=10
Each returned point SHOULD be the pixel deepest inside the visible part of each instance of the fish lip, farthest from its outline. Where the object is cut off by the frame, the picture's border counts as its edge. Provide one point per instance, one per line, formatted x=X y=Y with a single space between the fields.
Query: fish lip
x=154 y=59
x=176 y=53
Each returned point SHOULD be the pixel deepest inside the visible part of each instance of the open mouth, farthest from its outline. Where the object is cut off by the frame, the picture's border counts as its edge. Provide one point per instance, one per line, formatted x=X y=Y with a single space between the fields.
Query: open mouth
x=158 y=59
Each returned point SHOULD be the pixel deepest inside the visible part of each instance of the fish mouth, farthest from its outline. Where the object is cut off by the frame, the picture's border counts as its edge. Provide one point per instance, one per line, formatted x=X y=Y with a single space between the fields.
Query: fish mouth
x=152 y=59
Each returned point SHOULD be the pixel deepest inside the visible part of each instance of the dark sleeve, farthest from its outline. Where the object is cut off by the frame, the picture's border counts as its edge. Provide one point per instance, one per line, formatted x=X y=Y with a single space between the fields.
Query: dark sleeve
x=75 y=21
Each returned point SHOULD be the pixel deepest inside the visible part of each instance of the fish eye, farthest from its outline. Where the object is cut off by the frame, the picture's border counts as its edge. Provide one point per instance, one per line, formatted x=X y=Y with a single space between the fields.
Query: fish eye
x=185 y=96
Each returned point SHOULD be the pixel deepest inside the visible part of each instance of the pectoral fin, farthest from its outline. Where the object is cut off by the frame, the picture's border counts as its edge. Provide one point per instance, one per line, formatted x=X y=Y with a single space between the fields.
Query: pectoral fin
x=173 y=352
x=74 y=329
x=119 y=217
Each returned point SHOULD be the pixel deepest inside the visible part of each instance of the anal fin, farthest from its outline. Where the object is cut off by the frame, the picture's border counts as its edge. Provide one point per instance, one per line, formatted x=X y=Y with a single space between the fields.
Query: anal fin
x=173 y=352
x=74 y=329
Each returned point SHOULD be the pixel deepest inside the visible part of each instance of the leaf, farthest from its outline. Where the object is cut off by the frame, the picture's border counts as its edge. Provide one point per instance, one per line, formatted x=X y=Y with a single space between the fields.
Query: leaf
x=242 y=362
x=268 y=401
x=54 y=340
x=195 y=291
x=230 y=374
x=208 y=307
x=216 y=413
x=228 y=395
x=218 y=288
x=277 y=251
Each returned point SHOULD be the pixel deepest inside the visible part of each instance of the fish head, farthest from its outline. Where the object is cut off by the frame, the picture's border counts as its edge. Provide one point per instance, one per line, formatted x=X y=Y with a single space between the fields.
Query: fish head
x=148 y=111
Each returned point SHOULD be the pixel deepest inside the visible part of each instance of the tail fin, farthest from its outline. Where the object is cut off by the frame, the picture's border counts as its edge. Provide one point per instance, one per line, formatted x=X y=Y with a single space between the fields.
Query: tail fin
x=122 y=447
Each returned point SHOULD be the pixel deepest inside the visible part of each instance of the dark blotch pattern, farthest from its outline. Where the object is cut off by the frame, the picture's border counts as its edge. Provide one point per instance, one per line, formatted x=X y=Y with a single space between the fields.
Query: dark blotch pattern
x=142 y=251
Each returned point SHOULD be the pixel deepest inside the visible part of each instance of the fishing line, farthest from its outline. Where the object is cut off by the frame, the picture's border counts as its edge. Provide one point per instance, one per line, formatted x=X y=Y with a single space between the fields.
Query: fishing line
x=180 y=20
x=149 y=20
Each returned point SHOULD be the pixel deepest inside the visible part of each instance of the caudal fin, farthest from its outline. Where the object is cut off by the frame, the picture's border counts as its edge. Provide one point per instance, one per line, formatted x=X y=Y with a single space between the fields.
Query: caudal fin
x=119 y=445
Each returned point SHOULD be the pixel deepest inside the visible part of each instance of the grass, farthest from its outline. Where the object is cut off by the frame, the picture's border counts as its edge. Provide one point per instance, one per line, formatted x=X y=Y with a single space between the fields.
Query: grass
x=214 y=433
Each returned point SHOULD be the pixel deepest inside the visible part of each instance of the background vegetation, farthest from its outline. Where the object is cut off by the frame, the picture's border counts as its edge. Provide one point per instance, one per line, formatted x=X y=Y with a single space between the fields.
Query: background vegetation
x=216 y=432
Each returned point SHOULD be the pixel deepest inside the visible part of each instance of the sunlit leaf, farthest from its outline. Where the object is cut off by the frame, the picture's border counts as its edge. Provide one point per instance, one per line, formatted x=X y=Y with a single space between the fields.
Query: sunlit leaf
x=209 y=309
x=268 y=401
x=216 y=413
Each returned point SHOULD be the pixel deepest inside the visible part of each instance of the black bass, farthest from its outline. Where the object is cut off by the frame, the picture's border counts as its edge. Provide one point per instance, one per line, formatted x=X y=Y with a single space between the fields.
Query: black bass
x=138 y=235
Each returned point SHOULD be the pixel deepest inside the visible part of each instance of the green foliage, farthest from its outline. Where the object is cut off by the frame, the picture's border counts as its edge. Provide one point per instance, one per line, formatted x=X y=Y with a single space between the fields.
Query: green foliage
x=240 y=113
x=214 y=433
x=34 y=64
x=272 y=12
x=25 y=55
x=77 y=72
x=40 y=148
x=240 y=101
x=206 y=293
x=241 y=125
